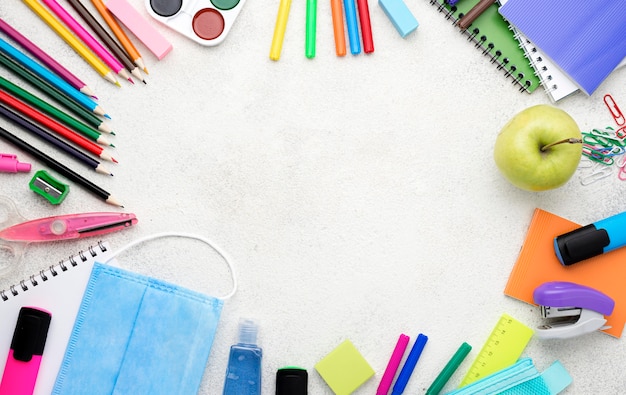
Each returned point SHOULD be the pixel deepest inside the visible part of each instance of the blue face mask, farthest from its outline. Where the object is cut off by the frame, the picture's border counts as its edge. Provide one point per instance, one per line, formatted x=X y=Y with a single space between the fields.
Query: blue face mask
x=138 y=335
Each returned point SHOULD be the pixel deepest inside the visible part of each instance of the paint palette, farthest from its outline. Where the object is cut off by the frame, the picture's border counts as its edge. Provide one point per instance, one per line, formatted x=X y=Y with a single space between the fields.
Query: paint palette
x=206 y=22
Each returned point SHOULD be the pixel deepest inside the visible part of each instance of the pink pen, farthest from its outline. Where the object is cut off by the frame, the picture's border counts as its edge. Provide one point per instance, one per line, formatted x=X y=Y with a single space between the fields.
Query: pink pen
x=10 y=164
x=87 y=38
x=392 y=365
x=25 y=354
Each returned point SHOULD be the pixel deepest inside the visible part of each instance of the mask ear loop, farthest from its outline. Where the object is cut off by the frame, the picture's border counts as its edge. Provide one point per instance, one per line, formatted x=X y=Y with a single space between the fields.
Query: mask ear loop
x=219 y=251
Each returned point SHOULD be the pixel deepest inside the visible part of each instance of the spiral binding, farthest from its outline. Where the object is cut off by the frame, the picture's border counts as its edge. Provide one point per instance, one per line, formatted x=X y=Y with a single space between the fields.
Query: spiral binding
x=488 y=48
x=53 y=270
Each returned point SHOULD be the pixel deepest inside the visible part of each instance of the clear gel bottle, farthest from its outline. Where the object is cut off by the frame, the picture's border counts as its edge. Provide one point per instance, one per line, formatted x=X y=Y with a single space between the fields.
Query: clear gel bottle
x=243 y=375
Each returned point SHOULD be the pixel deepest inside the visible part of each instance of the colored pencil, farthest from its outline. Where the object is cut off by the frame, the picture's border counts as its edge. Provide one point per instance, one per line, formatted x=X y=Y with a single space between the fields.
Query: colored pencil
x=87 y=38
x=53 y=92
x=55 y=126
x=67 y=89
x=106 y=38
x=45 y=58
x=52 y=111
x=59 y=167
x=72 y=41
x=52 y=139
x=279 y=29
x=117 y=30
x=336 y=9
x=366 y=26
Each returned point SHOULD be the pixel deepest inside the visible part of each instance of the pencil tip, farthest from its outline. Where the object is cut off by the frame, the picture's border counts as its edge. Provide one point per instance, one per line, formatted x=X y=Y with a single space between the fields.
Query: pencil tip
x=145 y=70
x=111 y=145
x=144 y=81
x=118 y=84
x=114 y=160
x=131 y=80
x=112 y=133
x=94 y=97
x=107 y=116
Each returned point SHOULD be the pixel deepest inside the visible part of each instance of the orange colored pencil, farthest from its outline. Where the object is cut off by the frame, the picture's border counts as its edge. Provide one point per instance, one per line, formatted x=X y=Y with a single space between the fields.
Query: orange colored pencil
x=340 y=36
x=120 y=34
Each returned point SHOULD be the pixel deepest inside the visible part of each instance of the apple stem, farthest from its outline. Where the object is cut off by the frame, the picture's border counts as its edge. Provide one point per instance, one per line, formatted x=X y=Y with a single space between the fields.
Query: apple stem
x=570 y=141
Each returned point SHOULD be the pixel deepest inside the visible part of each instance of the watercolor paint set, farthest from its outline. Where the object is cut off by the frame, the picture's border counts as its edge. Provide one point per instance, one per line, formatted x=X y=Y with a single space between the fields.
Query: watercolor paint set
x=206 y=22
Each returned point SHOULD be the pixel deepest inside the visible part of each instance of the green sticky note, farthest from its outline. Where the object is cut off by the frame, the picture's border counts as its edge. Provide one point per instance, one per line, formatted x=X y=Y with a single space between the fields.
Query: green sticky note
x=344 y=369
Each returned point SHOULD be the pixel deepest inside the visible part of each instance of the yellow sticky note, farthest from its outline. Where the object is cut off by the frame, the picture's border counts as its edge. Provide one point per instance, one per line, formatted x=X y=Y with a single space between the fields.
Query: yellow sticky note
x=344 y=369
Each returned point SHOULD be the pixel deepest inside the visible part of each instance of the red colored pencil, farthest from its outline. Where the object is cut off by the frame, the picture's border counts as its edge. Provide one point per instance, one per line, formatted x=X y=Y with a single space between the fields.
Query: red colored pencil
x=56 y=127
x=366 y=26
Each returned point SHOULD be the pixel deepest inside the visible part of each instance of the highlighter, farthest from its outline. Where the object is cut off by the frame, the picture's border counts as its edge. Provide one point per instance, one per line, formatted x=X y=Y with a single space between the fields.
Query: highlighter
x=29 y=339
x=591 y=240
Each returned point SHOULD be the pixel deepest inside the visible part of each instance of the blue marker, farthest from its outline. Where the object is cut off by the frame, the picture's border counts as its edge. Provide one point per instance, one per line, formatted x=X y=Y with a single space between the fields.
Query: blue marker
x=409 y=365
x=50 y=77
x=591 y=240
x=353 y=27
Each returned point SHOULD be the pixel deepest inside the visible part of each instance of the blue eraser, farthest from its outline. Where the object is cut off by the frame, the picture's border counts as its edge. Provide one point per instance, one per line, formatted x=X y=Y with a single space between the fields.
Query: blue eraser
x=400 y=16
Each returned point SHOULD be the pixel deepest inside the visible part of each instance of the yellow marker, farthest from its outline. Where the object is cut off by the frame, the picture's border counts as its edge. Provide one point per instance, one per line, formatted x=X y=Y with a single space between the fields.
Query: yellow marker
x=69 y=38
x=502 y=349
x=279 y=29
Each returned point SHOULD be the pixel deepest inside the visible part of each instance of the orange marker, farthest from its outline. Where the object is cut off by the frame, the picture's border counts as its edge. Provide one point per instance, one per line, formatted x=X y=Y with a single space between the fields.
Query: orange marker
x=120 y=34
x=340 y=36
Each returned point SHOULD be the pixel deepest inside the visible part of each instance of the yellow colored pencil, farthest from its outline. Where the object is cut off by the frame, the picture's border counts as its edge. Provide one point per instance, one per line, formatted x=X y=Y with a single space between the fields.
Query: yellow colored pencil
x=279 y=29
x=74 y=42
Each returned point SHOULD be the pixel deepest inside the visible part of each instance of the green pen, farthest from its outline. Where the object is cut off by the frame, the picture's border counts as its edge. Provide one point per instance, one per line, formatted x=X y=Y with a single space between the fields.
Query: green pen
x=449 y=369
x=311 y=22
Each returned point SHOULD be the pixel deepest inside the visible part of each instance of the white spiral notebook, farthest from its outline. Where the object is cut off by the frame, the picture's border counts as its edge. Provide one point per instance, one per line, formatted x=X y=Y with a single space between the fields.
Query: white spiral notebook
x=58 y=289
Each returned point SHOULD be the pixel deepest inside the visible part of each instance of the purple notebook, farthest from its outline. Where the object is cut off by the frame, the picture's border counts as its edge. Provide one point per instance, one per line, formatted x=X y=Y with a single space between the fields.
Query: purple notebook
x=586 y=39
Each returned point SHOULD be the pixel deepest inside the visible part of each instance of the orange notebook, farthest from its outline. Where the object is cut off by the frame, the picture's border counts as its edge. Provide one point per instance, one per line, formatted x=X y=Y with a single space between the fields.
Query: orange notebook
x=537 y=264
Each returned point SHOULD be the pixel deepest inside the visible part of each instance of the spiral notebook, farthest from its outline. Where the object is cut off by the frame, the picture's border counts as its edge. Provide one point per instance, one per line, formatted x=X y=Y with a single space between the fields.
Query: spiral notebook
x=58 y=289
x=491 y=35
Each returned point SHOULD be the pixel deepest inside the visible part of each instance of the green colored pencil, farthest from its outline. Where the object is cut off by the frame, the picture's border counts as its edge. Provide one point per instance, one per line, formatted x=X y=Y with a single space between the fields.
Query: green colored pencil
x=44 y=86
x=54 y=112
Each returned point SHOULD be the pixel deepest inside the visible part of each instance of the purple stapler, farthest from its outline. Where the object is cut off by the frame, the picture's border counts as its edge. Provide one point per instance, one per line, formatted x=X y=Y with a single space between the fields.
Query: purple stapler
x=571 y=309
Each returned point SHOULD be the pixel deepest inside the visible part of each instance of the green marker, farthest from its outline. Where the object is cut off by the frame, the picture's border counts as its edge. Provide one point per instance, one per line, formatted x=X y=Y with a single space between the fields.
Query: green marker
x=311 y=22
x=449 y=369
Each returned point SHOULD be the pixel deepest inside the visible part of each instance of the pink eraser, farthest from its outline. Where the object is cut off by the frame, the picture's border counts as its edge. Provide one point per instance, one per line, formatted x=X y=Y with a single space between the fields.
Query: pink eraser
x=132 y=19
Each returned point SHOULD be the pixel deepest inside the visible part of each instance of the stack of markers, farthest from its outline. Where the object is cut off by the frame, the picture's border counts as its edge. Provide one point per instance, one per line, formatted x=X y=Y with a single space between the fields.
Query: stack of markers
x=63 y=110
x=396 y=10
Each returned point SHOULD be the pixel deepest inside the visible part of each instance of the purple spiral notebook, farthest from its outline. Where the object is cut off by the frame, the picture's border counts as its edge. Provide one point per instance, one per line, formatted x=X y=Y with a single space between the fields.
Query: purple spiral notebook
x=584 y=38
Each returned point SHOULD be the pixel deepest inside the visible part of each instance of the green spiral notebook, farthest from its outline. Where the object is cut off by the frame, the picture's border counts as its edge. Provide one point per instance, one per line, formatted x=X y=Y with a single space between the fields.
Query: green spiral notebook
x=491 y=34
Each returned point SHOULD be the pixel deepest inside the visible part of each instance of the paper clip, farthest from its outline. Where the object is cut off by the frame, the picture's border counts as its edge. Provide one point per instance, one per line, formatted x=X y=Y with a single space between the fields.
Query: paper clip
x=608 y=133
x=621 y=133
x=616 y=113
x=621 y=165
x=598 y=172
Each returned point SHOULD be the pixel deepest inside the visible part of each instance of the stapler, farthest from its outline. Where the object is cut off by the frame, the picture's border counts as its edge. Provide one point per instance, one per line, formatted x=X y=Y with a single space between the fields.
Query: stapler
x=571 y=309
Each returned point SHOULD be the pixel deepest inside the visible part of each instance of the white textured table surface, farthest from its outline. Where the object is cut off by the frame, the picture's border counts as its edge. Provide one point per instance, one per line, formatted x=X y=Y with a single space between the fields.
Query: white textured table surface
x=357 y=196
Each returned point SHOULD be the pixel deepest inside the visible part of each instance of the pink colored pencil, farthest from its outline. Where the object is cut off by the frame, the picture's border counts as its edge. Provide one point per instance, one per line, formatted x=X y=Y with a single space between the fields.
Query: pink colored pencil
x=392 y=365
x=46 y=59
x=87 y=38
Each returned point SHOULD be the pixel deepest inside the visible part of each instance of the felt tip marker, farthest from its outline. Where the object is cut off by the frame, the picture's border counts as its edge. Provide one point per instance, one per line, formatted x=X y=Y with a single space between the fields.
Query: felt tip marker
x=27 y=346
x=409 y=365
x=591 y=240
x=392 y=365
x=10 y=164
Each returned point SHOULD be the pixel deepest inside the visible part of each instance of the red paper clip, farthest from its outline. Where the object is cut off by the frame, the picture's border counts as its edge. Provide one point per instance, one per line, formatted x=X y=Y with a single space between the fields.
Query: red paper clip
x=614 y=109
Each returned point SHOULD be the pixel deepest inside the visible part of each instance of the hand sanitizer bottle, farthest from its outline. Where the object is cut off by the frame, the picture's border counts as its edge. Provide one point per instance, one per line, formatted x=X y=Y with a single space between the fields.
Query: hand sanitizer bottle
x=243 y=375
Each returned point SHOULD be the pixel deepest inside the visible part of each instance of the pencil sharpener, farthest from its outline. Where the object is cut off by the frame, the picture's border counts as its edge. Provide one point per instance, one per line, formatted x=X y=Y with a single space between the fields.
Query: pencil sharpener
x=49 y=187
x=206 y=22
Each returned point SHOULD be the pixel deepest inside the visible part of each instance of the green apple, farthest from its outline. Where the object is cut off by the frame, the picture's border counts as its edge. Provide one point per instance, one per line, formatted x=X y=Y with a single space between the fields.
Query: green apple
x=539 y=148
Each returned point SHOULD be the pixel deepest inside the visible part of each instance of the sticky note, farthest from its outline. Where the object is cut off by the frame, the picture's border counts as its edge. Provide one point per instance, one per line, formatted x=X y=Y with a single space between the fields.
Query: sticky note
x=344 y=369
x=400 y=16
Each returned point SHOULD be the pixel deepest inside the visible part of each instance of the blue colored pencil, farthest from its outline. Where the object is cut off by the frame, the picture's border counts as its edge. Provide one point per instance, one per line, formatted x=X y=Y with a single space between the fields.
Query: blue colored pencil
x=50 y=77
